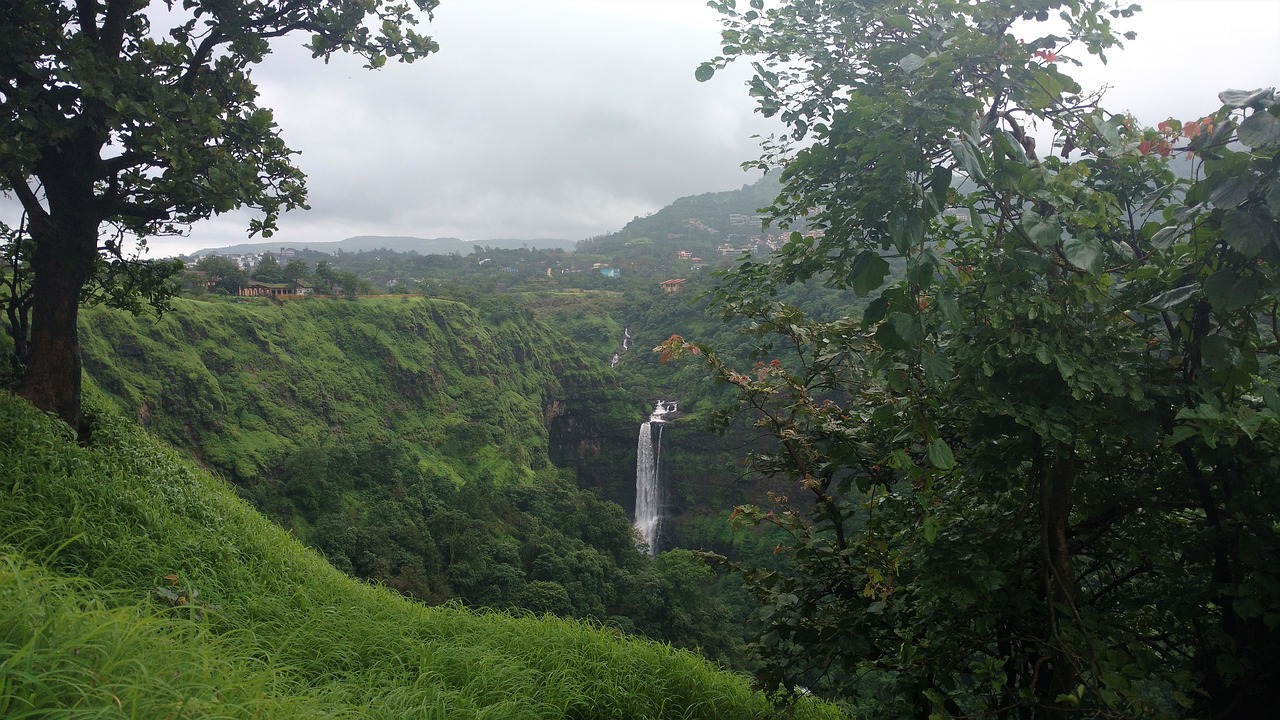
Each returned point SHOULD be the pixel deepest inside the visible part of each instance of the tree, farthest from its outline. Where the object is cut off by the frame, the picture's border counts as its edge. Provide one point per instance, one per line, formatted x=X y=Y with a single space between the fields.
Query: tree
x=221 y=273
x=1036 y=475
x=296 y=269
x=327 y=280
x=114 y=130
x=268 y=270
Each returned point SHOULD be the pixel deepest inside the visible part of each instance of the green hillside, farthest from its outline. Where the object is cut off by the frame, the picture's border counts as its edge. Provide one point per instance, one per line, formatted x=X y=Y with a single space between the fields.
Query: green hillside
x=134 y=584
x=247 y=385
x=410 y=441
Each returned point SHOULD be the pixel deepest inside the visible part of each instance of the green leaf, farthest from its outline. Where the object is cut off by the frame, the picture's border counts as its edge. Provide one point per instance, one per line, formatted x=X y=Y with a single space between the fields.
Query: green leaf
x=867 y=272
x=1273 y=197
x=1244 y=98
x=940 y=455
x=900 y=460
x=1010 y=146
x=1066 y=368
x=875 y=311
x=930 y=529
x=1045 y=232
x=907 y=326
x=1227 y=291
x=1182 y=432
x=1247 y=233
x=898 y=22
x=1259 y=130
x=1084 y=253
x=704 y=72
x=1270 y=398
x=1219 y=354
x=1233 y=191
x=888 y=338
x=1108 y=128
x=937 y=367
x=884 y=414
x=950 y=308
x=1172 y=298
x=1164 y=237
x=911 y=62
x=968 y=159
x=906 y=229
x=940 y=184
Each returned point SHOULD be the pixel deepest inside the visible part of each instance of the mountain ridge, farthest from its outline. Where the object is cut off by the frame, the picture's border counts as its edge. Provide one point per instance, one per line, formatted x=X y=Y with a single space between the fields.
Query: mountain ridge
x=397 y=243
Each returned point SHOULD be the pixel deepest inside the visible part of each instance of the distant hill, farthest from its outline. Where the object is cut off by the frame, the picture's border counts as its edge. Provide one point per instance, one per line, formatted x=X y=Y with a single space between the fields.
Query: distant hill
x=422 y=246
x=695 y=221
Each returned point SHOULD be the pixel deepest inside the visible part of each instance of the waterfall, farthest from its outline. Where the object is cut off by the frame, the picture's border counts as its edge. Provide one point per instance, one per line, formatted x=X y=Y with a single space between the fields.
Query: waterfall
x=626 y=345
x=648 y=457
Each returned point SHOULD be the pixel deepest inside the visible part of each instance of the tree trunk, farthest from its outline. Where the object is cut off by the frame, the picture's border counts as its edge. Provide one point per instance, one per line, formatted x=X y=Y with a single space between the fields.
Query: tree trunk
x=66 y=248
x=1056 y=499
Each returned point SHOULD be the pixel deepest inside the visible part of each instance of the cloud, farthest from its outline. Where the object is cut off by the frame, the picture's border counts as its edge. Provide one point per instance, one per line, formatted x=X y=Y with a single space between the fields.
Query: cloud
x=536 y=119
x=566 y=118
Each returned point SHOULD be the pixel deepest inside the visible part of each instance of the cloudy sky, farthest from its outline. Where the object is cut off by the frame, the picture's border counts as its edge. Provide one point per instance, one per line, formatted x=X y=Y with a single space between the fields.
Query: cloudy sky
x=566 y=118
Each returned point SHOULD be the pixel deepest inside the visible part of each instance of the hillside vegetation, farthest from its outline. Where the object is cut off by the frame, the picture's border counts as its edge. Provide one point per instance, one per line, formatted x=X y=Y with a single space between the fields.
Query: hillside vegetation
x=408 y=439
x=134 y=584
x=248 y=385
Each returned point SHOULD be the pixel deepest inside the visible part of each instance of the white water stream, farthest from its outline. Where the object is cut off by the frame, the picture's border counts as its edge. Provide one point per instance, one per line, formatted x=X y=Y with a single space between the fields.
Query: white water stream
x=648 y=457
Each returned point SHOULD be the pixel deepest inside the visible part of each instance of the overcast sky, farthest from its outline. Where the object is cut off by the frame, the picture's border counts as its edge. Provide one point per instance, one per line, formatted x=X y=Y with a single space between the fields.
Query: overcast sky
x=566 y=118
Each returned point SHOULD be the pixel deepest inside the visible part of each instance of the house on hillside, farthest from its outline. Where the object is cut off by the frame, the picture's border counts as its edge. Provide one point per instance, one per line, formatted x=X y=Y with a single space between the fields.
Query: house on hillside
x=671 y=287
x=197 y=280
x=253 y=288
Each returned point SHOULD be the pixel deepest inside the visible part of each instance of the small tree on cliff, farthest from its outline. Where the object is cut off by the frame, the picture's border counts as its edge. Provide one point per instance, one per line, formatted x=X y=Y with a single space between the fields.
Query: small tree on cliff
x=112 y=129
x=1040 y=468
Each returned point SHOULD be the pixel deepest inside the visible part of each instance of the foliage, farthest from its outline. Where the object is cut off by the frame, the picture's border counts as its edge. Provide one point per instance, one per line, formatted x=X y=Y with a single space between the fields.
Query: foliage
x=119 y=281
x=91 y=531
x=1040 y=464
x=222 y=274
x=407 y=439
x=268 y=270
x=116 y=129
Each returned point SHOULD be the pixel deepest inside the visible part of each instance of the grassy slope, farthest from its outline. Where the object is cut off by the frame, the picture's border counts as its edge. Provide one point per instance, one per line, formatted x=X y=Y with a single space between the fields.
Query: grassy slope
x=245 y=385
x=90 y=533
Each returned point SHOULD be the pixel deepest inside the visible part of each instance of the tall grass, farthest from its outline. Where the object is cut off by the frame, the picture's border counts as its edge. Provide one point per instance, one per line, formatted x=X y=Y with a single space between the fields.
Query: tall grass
x=132 y=584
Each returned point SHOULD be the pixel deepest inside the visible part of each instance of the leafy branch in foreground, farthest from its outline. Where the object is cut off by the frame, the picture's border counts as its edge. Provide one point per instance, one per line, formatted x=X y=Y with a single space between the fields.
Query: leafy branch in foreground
x=1037 y=470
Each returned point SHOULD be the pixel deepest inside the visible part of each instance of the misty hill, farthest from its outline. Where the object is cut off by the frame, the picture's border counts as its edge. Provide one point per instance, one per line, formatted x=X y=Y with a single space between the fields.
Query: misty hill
x=695 y=221
x=422 y=246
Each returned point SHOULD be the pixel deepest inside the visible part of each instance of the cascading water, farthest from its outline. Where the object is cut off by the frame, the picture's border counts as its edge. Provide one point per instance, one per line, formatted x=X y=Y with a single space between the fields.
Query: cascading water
x=648 y=456
x=626 y=345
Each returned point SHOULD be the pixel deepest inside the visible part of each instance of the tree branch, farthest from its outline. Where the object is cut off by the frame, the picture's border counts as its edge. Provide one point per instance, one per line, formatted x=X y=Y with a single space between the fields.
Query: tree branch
x=87 y=16
x=112 y=37
x=201 y=56
x=28 y=198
